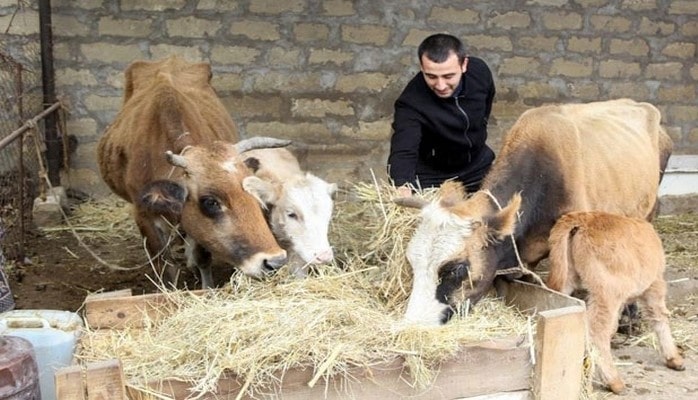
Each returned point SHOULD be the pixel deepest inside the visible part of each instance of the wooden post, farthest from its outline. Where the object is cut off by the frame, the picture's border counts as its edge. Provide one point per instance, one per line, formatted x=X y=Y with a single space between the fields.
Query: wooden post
x=560 y=346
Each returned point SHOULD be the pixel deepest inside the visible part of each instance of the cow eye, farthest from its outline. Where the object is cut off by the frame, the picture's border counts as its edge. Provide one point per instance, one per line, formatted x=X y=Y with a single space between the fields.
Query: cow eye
x=292 y=215
x=209 y=206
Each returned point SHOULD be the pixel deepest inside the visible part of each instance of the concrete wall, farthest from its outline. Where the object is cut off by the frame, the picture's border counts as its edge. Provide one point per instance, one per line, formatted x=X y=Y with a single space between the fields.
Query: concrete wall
x=326 y=72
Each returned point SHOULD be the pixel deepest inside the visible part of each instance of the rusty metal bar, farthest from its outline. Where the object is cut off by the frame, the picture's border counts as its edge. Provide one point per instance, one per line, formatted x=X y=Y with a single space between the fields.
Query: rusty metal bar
x=28 y=125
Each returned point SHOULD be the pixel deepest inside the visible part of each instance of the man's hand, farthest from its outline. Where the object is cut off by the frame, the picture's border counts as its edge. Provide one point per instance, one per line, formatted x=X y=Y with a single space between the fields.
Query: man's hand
x=404 y=191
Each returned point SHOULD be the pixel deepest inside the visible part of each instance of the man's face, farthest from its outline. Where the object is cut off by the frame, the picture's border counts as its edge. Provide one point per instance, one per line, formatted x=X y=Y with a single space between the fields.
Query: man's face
x=443 y=78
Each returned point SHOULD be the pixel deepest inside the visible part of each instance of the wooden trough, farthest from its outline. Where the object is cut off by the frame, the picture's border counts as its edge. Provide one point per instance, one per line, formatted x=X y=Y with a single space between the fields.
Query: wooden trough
x=512 y=368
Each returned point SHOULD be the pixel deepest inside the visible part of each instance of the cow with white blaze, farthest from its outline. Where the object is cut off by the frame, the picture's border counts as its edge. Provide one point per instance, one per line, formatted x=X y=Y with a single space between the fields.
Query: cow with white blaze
x=606 y=156
x=299 y=206
x=172 y=153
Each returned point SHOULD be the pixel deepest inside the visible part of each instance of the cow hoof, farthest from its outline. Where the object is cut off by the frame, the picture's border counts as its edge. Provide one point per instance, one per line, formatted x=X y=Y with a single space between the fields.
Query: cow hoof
x=676 y=363
x=617 y=386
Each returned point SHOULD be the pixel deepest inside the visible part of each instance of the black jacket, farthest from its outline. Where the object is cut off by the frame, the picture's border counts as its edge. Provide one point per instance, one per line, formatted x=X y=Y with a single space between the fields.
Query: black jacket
x=442 y=136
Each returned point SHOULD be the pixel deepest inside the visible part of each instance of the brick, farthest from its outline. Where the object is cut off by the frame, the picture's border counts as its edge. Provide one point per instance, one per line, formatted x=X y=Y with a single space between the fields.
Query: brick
x=152 y=5
x=219 y=5
x=564 y=21
x=575 y=69
x=365 y=34
x=375 y=130
x=635 y=91
x=619 y=69
x=302 y=132
x=256 y=30
x=69 y=76
x=308 y=32
x=282 y=56
x=638 y=5
x=633 y=47
x=676 y=93
x=510 y=20
x=276 y=6
x=415 y=37
x=682 y=114
x=690 y=28
x=254 y=106
x=82 y=127
x=124 y=27
x=584 y=91
x=548 y=3
x=322 y=56
x=99 y=103
x=191 y=53
x=682 y=7
x=83 y=4
x=454 y=15
x=367 y=81
x=64 y=25
x=222 y=82
x=606 y=23
x=537 y=90
x=192 y=27
x=584 y=45
x=656 y=28
x=683 y=50
x=664 y=71
x=25 y=22
x=485 y=42
x=338 y=8
x=537 y=43
x=275 y=82
x=694 y=72
x=519 y=66
x=318 y=108
x=106 y=52
x=223 y=54
x=585 y=4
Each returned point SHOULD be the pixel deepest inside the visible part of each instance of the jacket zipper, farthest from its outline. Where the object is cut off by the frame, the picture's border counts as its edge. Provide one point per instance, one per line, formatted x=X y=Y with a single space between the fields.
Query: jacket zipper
x=467 y=126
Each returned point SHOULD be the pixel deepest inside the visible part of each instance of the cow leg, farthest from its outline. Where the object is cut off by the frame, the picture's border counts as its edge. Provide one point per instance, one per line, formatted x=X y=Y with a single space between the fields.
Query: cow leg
x=155 y=242
x=602 y=314
x=629 y=322
x=654 y=301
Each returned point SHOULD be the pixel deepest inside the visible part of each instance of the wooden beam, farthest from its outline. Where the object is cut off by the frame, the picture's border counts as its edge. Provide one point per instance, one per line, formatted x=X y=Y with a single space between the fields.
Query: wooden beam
x=560 y=348
x=69 y=383
x=531 y=298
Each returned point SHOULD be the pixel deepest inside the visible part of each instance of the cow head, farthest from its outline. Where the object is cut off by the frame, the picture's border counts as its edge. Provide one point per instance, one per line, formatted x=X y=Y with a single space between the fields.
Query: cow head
x=449 y=251
x=208 y=201
x=300 y=213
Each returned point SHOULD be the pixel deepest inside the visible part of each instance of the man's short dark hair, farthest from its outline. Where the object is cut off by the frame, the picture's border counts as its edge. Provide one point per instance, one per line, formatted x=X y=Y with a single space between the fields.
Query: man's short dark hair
x=439 y=46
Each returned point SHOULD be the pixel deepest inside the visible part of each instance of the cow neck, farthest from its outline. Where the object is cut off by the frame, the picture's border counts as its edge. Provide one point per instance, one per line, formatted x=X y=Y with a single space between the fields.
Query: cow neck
x=521 y=267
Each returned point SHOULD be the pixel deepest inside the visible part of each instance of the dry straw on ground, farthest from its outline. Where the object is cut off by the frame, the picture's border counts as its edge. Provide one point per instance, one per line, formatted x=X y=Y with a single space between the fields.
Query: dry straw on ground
x=341 y=320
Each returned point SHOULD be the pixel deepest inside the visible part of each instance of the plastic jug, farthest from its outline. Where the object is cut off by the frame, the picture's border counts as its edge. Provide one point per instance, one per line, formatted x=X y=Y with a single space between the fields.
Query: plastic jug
x=53 y=333
x=19 y=374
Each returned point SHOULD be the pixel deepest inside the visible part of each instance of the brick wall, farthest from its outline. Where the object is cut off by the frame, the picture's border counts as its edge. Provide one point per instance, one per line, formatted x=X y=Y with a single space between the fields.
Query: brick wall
x=326 y=72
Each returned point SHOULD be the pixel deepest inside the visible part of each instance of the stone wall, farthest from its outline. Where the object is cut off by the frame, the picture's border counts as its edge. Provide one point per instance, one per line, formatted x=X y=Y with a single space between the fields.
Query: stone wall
x=326 y=72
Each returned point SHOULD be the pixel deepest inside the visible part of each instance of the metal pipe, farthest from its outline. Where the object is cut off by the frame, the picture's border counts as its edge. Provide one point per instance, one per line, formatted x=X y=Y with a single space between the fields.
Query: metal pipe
x=53 y=143
x=28 y=125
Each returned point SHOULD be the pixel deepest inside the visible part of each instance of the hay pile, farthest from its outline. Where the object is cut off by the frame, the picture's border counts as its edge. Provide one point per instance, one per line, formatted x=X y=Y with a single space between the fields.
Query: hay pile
x=342 y=319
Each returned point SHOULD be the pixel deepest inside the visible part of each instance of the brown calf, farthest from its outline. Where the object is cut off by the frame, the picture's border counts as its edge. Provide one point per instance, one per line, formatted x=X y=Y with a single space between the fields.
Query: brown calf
x=616 y=259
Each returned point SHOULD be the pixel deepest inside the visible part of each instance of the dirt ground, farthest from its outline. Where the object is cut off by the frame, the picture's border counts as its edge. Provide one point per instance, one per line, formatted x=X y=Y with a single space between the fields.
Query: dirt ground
x=59 y=272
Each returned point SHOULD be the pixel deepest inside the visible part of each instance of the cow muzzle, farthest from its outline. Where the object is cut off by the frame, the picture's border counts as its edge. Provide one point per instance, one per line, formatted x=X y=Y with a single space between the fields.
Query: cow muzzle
x=273 y=263
x=262 y=264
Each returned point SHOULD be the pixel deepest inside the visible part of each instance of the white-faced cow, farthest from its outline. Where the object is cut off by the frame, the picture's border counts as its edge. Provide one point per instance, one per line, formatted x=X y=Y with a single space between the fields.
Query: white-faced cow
x=172 y=152
x=605 y=156
x=615 y=259
x=299 y=204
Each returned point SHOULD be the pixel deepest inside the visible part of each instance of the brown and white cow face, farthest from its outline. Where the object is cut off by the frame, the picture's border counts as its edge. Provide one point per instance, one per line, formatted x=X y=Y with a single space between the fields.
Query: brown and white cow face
x=212 y=207
x=301 y=210
x=448 y=251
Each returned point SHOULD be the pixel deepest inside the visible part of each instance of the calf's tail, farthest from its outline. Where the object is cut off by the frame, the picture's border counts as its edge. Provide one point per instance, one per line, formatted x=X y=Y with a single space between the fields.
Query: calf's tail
x=560 y=257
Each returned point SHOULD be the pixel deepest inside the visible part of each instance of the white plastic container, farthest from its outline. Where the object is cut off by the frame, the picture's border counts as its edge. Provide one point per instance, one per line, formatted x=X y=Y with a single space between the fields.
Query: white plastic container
x=52 y=333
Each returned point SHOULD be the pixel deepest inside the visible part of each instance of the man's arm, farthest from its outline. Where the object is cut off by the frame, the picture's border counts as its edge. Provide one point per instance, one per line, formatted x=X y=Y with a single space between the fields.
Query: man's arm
x=404 y=146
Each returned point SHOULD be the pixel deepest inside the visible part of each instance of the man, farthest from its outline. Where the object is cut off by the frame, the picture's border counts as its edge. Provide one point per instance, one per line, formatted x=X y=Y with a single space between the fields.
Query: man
x=440 y=120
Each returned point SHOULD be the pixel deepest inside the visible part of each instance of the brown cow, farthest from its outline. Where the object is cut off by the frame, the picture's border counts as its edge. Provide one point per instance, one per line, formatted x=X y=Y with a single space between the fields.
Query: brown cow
x=614 y=259
x=170 y=108
x=604 y=155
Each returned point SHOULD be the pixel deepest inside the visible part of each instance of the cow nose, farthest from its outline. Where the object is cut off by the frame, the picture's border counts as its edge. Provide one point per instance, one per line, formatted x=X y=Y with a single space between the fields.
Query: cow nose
x=274 y=263
x=325 y=256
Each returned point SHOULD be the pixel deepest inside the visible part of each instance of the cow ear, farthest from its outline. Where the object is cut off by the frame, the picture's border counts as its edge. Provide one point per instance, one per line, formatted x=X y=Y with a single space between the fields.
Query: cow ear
x=503 y=223
x=163 y=197
x=252 y=164
x=263 y=191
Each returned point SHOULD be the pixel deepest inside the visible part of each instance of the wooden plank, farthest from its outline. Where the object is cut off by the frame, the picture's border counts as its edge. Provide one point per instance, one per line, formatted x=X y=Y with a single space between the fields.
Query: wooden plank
x=468 y=374
x=117 y=312
x=560 y=347
x=105 y=381
x=531 y=298
x=112 y=294
x=69 y=383
x=518 y=395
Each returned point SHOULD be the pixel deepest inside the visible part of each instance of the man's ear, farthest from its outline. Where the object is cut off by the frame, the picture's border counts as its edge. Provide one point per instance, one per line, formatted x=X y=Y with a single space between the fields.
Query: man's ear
x=263 y=191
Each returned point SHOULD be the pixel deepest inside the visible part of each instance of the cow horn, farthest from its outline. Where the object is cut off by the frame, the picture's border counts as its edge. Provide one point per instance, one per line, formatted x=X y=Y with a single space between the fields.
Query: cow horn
x=260 y=142
x=176 y=159
x=412 y=202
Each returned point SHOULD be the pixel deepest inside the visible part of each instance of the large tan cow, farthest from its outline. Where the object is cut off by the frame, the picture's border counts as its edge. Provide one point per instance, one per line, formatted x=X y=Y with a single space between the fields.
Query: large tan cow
x=300 y=206
x=605 y=156
x=172 y=152
x=615 y=259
